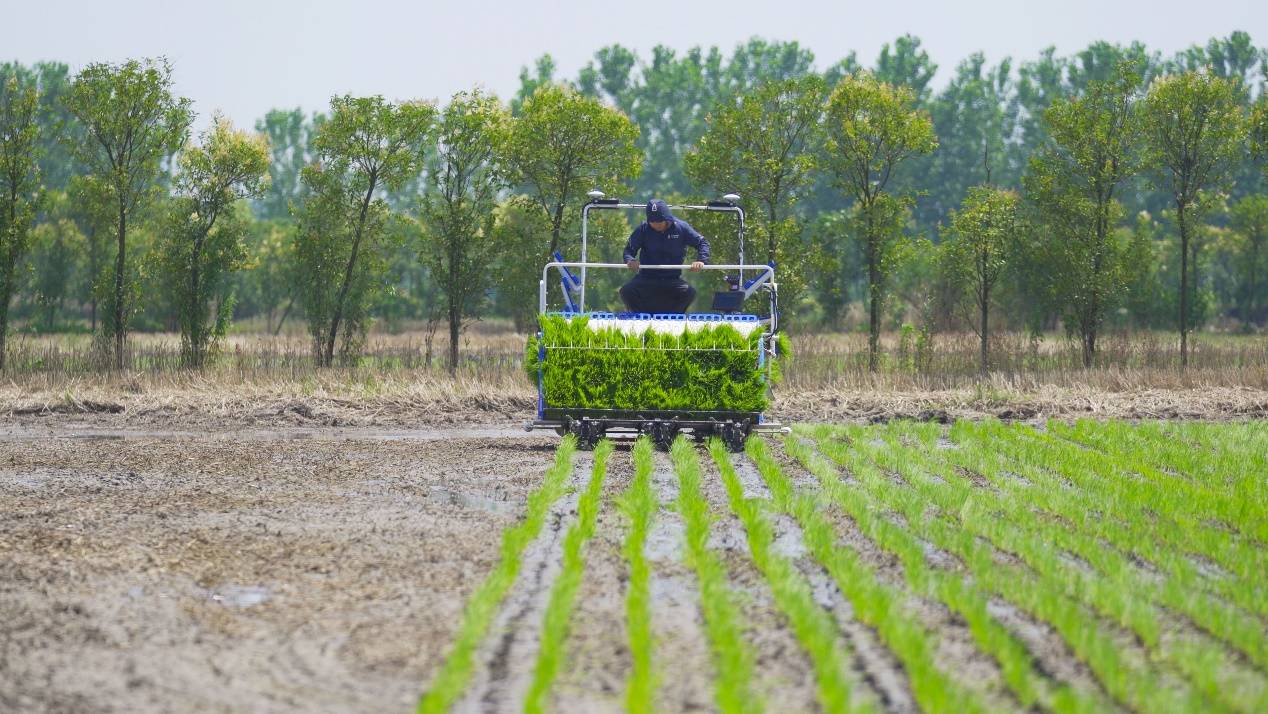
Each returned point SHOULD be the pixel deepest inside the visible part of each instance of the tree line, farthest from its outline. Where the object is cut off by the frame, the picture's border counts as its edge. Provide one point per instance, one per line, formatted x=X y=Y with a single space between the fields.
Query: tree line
x=1114 y=187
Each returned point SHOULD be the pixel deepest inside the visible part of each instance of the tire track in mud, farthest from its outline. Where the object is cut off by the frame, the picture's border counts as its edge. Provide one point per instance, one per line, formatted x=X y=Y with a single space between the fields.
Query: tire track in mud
x=785 y=676
x=507 y=655
x=597 y=660
x=685 y=672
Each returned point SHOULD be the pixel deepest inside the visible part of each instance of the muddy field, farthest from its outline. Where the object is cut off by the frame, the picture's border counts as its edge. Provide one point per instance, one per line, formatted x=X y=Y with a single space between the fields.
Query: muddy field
x=243 y=572
x=288 y=569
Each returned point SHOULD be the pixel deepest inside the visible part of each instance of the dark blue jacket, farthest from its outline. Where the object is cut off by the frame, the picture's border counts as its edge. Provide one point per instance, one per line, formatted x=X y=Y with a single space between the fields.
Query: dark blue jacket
x=668 y=248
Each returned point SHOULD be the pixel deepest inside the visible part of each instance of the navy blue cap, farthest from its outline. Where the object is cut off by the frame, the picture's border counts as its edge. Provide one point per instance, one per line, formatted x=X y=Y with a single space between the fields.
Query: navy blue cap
x=658 y=210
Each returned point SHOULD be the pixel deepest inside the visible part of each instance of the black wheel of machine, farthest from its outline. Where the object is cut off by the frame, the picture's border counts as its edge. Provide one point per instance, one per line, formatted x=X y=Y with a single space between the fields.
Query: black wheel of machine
x=734 y=435
x=663 y=434
x=587 y=432
x=702 y=433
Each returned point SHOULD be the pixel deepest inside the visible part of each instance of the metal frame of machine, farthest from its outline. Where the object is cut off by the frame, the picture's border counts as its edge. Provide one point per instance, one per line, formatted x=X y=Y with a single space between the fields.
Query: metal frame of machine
x=590 y=425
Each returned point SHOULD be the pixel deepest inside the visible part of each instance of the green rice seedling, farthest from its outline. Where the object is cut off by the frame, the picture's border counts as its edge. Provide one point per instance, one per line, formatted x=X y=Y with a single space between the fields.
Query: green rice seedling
x=712 y=369
x=1134 y=682
x=1240 y=508
x=1102 y=541
x=1166 y=526
x=1114 y=596
x=813 y=628
x=875 y=604
x=452 y=679
x=722 y=620
x=1029 y=685
x=563 y=593
x=1117 y=590
x=639 y=505
x=1244 y=441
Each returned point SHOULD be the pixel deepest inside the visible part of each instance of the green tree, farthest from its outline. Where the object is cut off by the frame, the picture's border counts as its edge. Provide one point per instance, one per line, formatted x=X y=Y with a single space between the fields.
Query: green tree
x=906 y=64
x=763 y=147
x=1259 y=130
x=267 y=280
x=50 y=80
x=368 y=145
x=91 y=207
x=975 y=122
x=203 y=244
x=872 y=128
x=562 y=145
x=290 y=136
x=57 y=246
x=1075 y=184
x=20 y=189
x=132 y=122
x=1193 y=130
x=458 y=213
x=1250 y=222
x=979 y=247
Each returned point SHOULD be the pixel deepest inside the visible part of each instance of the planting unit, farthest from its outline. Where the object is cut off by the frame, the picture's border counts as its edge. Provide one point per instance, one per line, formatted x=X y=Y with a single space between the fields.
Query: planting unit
x=709 y=374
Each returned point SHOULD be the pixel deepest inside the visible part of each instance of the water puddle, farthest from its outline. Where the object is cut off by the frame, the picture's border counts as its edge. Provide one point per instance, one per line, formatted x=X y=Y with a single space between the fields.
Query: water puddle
x=240 y=595
x=479 y=502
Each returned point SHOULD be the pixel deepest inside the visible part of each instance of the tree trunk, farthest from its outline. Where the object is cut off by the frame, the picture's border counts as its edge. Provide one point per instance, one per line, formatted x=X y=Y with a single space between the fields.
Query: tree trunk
x=195 y=317
x=329 y=357
x=1184 y=285
x=556 y=224
x=120 y=261
x=1253 y=287
x=873 y=297
x=1089 y=347
x=983 y=303
x=4 y=329
x=278 y=327
x=455 y=306
x=985 y=339
x=455 y=324
x=873 y=291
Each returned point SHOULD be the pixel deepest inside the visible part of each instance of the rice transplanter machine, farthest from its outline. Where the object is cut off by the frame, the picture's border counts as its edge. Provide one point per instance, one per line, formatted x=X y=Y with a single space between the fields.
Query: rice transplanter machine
x=590 y=423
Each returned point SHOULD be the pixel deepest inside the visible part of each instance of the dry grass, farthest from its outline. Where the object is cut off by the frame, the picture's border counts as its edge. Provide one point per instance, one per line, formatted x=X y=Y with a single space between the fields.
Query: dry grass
x=270 y=380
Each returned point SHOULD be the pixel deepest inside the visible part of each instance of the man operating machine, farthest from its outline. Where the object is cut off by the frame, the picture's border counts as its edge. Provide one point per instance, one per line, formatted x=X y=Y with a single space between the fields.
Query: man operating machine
x=661 y=240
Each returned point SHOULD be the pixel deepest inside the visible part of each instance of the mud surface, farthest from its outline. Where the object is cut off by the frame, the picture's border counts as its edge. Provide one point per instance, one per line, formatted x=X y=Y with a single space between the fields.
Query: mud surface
x=158 y=574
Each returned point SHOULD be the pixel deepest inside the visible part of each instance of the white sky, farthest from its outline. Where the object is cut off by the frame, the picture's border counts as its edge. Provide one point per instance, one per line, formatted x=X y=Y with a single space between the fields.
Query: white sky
x=244 y=57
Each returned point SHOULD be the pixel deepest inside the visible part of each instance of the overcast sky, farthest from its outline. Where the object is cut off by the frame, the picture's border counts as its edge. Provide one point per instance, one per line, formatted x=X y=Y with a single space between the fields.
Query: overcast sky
x=243 y=57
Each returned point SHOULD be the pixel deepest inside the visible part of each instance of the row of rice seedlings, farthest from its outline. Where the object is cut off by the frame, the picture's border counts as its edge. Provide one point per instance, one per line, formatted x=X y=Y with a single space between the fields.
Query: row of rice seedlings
x=813 y=627
x=1134 y=683
x=563 y=594
x=1197 y=511
x=722 y=620
x=639 y=505
x=1027 y=683
x=1235 y=465
x=1116 y=594
x=1247 y=440
x=1098 y=541
x=452 y=679
x=1161 y=529
x=1102 y=543
x=875 y=603
x=1240 y=508
x=1179 y=458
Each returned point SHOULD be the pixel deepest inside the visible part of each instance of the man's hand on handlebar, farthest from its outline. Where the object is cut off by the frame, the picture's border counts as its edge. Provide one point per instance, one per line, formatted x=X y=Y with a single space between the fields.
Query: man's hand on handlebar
x=632 y=265
x=697 y=266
